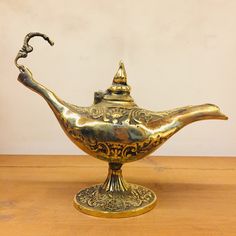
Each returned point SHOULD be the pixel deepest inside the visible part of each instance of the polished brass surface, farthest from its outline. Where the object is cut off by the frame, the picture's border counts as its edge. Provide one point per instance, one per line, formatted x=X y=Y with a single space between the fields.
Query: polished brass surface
x=116 y=130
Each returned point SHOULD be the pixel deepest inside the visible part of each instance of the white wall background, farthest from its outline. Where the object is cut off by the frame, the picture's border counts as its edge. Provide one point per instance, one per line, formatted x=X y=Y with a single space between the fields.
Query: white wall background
x=176 y=53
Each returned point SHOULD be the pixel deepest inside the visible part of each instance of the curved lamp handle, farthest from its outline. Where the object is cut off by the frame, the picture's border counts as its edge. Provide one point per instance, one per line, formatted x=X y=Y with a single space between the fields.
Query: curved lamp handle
x=26 y=48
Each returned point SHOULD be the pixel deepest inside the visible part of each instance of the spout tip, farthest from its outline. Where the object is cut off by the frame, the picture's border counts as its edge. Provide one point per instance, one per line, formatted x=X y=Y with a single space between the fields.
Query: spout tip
x=224 y=117
x=219 y=114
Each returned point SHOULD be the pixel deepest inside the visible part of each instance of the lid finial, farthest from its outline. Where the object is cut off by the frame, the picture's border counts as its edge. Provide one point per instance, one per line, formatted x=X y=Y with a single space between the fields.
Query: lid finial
x=119 y=84
x=119 y=90
x=120 y=76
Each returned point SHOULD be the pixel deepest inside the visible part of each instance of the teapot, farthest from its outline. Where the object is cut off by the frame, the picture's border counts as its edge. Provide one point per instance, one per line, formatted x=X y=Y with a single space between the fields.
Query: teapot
x=116 y=130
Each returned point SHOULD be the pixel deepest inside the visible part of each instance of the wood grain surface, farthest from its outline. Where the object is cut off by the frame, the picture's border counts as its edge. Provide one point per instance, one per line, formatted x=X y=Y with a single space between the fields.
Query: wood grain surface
x=196 y=196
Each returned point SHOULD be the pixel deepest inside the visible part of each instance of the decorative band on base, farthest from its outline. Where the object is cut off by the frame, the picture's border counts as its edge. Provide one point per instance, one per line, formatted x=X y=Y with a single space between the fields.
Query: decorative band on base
x=97 y=202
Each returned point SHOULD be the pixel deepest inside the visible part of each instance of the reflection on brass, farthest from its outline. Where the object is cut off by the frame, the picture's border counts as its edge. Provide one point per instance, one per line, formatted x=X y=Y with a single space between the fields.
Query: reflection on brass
x=116 y=130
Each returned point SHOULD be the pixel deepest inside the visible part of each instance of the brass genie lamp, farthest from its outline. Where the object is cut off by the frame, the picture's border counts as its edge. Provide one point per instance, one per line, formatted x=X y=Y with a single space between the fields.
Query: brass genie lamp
x=116 y=130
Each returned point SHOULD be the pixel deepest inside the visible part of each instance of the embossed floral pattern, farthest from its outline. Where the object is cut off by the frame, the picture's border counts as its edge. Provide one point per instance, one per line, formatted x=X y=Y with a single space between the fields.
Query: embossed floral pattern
x=115 y=201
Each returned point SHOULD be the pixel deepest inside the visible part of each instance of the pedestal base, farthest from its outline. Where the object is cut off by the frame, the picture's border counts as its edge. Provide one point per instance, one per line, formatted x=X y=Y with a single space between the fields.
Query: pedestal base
x=134 y=201
x=115 y=198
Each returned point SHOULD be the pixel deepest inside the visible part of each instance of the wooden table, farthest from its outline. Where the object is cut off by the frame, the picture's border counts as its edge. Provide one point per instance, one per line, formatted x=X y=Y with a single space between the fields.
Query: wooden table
x=197 y=196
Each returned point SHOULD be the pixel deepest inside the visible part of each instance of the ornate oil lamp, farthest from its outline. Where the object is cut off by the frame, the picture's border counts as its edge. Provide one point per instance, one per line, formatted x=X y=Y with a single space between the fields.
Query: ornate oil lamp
x=116 y=130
